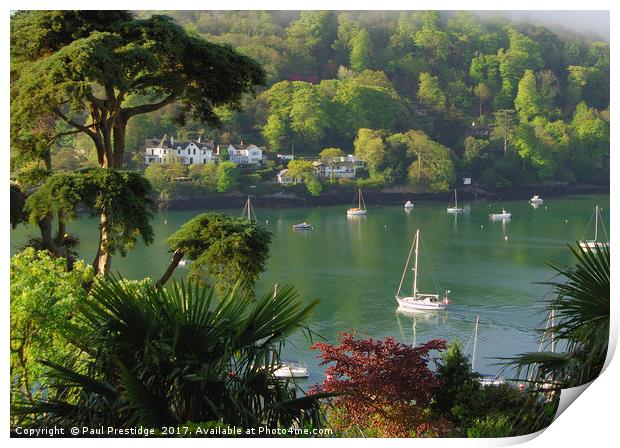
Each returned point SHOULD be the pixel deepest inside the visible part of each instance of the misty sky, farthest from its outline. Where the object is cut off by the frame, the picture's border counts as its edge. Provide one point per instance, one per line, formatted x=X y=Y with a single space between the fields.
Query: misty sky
x=593 y=23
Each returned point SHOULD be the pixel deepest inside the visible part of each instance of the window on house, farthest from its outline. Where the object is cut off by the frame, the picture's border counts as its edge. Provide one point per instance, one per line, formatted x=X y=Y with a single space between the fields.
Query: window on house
x=191 y=160
x=194 y=151
x=178 y=151
x=204 y=160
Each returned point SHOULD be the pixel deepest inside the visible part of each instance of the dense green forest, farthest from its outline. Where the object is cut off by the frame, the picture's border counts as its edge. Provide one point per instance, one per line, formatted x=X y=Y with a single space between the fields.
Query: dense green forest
x=421 y=96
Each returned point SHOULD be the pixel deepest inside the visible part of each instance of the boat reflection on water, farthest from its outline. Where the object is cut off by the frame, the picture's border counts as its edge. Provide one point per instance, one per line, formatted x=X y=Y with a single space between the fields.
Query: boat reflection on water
x=357 y=218
x=429 y=318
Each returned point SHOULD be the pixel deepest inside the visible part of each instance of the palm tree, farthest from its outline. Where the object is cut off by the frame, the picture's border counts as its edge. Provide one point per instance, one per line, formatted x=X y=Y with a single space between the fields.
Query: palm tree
x=157 y=356
x=580 y=331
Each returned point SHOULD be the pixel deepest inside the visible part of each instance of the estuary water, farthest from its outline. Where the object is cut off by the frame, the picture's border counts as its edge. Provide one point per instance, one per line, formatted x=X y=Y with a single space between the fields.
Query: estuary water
x=354 y=267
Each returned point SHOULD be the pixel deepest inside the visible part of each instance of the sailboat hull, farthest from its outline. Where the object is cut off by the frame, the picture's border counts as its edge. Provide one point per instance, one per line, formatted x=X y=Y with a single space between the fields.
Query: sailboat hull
x=454 y=210
x=423 y=302
x=356 y=212
x=592 y=244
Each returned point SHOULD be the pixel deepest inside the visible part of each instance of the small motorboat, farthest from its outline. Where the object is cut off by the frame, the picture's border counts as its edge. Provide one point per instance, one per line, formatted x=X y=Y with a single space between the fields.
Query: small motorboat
x=302 y=226
x=536 y=200
x=409 y=204
x=503 y=216
x=490 y=380
x=291 y=370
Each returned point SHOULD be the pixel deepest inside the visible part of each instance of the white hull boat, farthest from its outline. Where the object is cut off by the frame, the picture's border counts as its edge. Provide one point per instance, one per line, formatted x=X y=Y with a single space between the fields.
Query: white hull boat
x=423 y=302
x=408 y=205
x=291 y=370
x=360 y=210
x=418 y=301
x=356 y=212
x=592 y=244
x=536 y=200
x=456 y=208
x=503 y=216
x=302 y=226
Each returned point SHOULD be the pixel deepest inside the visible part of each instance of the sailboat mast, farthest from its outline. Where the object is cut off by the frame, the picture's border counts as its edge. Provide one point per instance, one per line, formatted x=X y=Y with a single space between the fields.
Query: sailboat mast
x=415 y=269
x=456 y=201
x=596 y=225
x=473 y=353
x=402 y=279
x=359 y=198
x=552 y=325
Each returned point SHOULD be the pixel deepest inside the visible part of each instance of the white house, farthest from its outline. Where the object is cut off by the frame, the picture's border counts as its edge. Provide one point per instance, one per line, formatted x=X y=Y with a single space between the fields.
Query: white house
x=284 y=178
x=167 y=151
x=244 y=154
x=338 y=167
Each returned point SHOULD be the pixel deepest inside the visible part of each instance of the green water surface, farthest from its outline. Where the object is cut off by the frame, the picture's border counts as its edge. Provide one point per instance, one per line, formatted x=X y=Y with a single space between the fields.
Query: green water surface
x=355 y=265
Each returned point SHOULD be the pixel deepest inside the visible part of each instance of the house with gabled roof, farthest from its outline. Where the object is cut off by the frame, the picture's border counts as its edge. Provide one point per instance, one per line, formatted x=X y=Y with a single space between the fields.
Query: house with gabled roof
x=168 y=151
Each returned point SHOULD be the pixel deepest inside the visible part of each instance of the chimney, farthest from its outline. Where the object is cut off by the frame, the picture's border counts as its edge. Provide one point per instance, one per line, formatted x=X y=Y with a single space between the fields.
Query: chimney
x=199 y=137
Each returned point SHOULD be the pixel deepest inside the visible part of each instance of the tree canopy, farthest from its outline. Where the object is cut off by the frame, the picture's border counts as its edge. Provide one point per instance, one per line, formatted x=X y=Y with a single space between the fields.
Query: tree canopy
x=221 y=249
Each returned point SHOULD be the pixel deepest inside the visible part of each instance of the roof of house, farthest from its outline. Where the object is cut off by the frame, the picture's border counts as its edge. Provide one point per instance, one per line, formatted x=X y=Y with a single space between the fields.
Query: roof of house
x=166 y=143
x=241 y=147
x=283 y=172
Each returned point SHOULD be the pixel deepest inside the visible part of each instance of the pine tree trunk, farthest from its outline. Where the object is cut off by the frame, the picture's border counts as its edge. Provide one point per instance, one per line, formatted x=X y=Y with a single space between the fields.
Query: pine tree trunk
x=103 y=259
x=45 y=226
x=176 y=258
x=119 y=143
x=62 y=227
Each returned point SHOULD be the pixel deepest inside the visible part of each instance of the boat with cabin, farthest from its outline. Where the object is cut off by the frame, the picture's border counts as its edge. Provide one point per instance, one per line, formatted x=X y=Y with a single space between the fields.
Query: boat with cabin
x=536 y=200
x=302 y=226
x=418 y=301
x=291 y=369
x=503 y=216
x=409 y=205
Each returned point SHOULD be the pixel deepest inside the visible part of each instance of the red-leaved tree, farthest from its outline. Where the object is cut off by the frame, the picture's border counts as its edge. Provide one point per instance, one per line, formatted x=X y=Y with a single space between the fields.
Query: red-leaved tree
x=384 y=386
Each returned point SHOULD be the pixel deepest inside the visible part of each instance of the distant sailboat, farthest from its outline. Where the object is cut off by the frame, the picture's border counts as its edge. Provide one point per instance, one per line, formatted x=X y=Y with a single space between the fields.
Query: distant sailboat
x=484 y=379
x=593 y=244
x=361 y=206
x=419 y=301
x=248 y=211
x=409 y=205
x=456 y=208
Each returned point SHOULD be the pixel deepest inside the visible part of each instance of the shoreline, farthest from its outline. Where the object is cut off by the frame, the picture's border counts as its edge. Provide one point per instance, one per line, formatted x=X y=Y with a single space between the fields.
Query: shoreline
x=372 y=197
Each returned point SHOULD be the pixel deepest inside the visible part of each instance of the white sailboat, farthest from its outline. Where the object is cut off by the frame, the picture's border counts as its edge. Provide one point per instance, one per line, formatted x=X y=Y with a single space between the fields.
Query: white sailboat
x=409 y=205
x=485 y=379
x=456 y=208
x=419 y=301
x=593 y=244
x=248 y=211
x=361 y=206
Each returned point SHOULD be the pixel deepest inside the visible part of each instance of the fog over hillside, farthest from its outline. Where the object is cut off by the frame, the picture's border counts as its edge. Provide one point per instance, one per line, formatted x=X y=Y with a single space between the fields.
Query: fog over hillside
x=592 y=24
